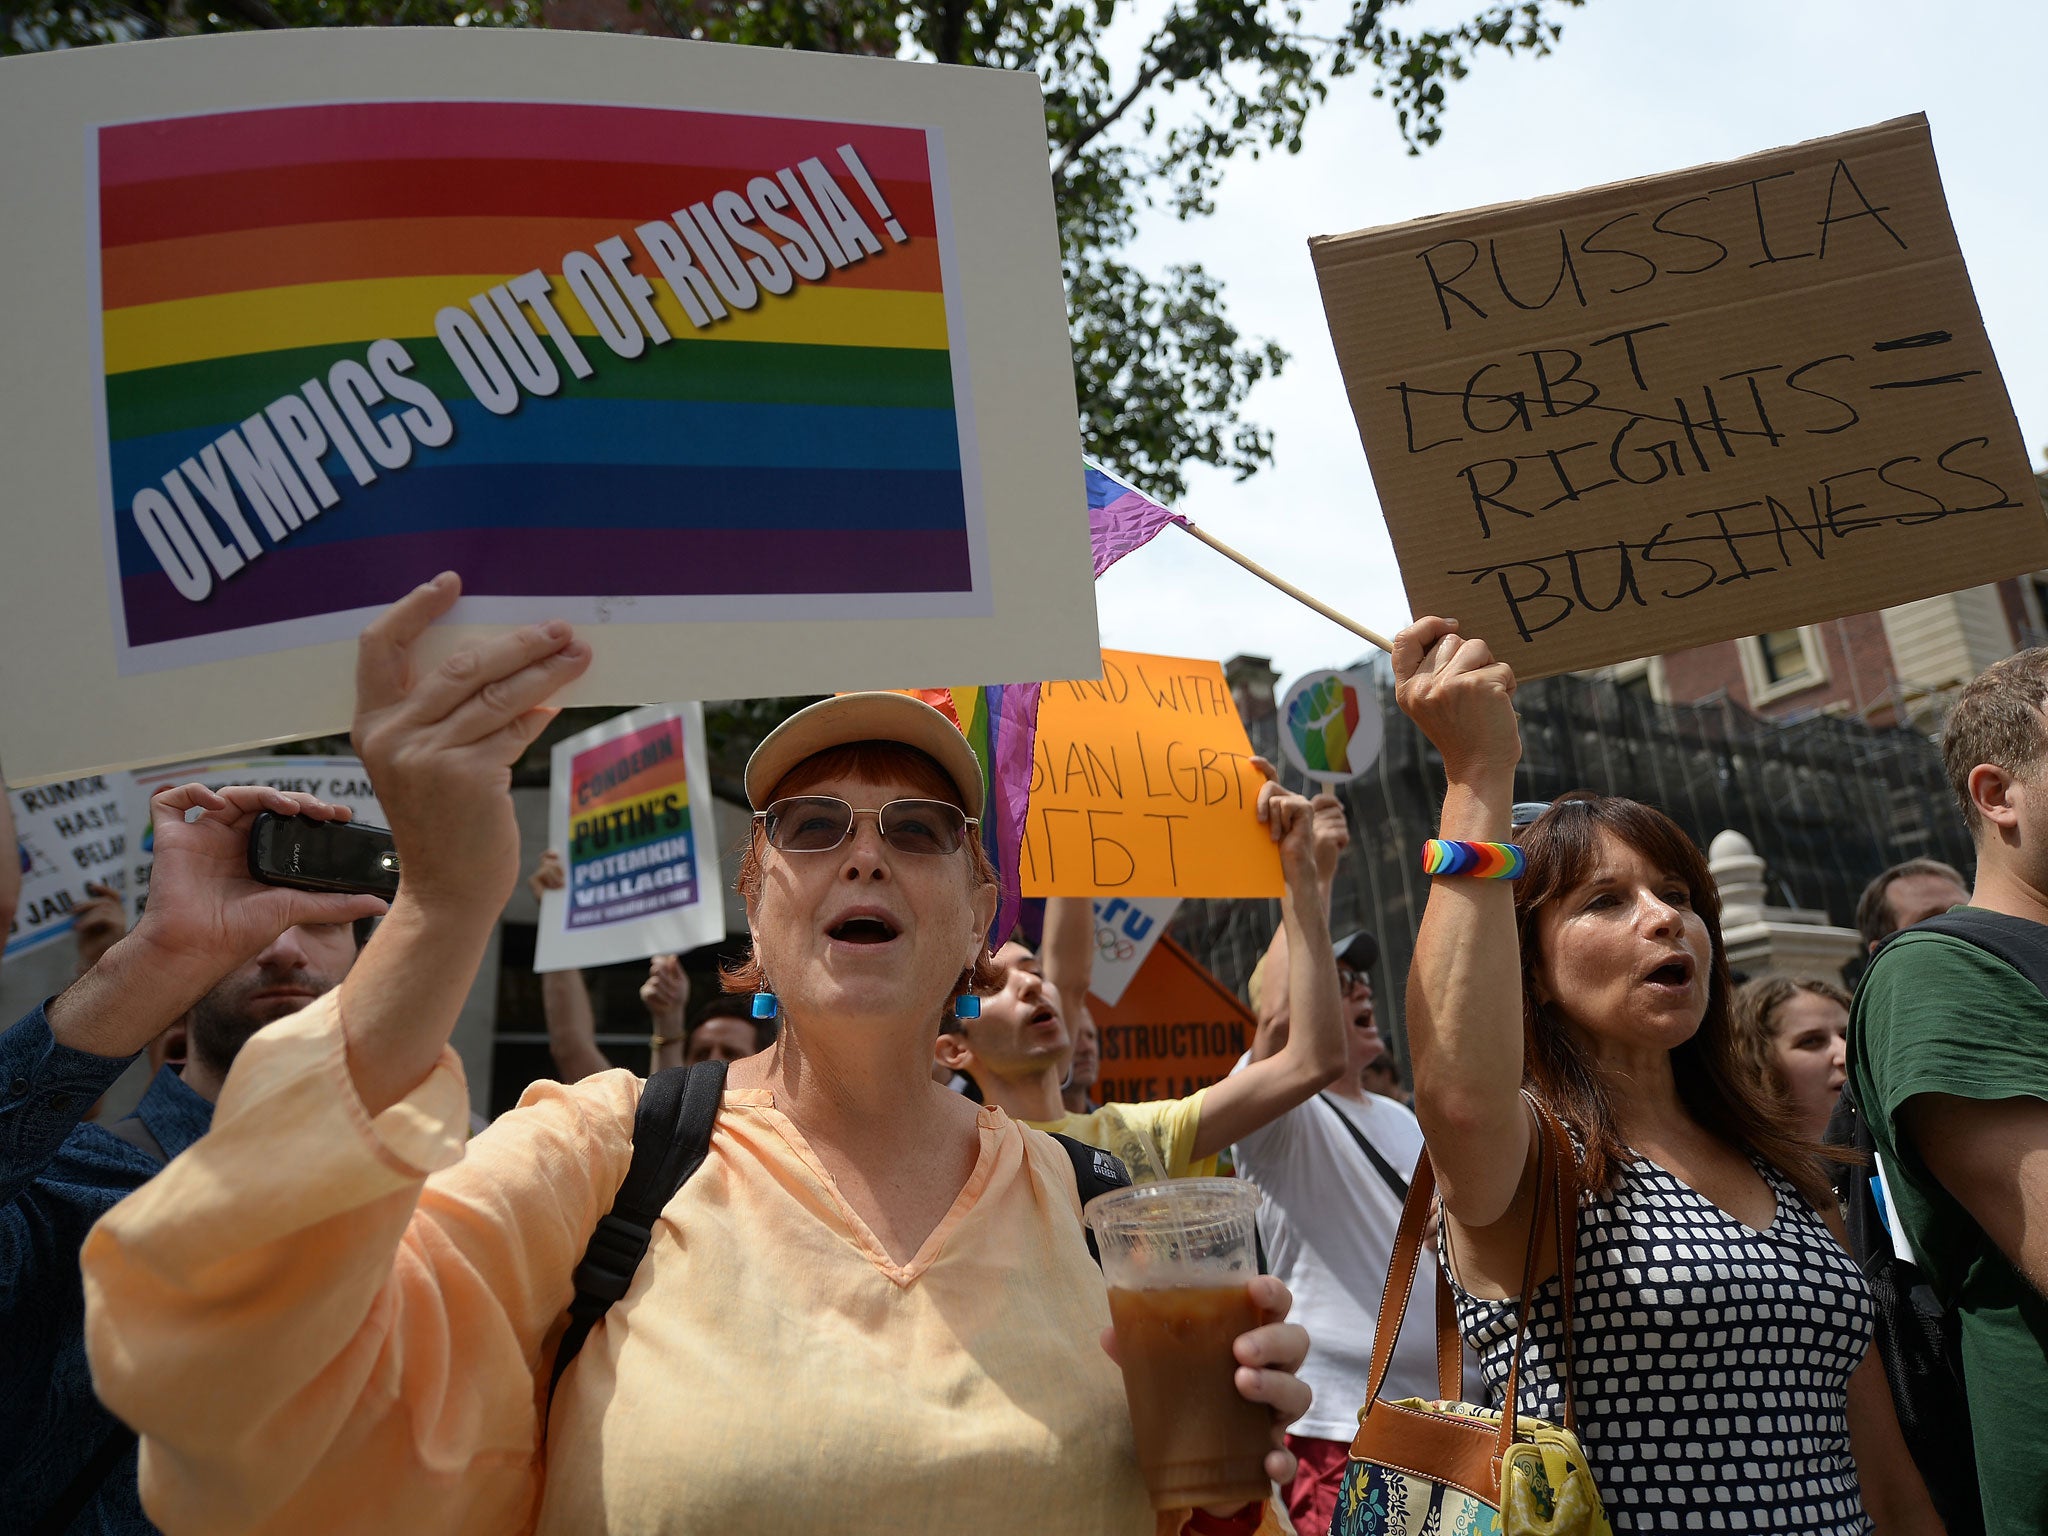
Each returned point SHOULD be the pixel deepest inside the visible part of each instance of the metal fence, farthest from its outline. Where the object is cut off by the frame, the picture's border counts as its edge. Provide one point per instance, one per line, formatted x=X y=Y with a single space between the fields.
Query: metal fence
x=1828 y=803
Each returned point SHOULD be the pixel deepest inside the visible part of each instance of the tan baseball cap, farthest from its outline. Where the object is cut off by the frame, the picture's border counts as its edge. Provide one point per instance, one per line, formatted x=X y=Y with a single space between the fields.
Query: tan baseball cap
x=852 y=717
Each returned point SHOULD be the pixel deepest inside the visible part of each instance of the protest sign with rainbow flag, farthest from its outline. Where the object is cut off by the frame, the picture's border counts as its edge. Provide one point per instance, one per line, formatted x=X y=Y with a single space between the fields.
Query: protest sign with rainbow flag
x=629 y=806
x=564 y=349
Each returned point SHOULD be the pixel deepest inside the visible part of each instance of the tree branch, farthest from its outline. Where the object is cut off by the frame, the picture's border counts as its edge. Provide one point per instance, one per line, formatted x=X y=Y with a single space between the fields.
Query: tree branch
x=1155 y=66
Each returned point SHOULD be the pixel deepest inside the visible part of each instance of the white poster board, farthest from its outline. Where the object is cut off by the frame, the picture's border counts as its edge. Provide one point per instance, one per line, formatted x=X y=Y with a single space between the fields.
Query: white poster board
x=1330 y=725
x=1125 y=933
x=754 y=360
x=69 y=833
x=629 y=810
x=337 y=780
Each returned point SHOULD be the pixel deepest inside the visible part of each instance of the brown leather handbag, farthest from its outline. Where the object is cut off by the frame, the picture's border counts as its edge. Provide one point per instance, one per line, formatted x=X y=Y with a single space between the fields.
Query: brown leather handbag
x=1448 y=1465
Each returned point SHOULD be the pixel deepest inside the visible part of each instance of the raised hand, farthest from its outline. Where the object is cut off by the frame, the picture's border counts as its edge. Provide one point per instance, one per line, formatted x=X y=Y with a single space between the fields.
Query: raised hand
x=206 y=917
x=1461 y=697
x=1331 y=835
x=440 y=746
x=1290 y=820
x=666 y=993
x=97 y=924
x=548 y=875
x=206 y=913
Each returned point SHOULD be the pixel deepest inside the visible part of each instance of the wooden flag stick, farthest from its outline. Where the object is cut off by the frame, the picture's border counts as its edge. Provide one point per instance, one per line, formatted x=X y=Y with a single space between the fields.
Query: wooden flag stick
x=1291 y=589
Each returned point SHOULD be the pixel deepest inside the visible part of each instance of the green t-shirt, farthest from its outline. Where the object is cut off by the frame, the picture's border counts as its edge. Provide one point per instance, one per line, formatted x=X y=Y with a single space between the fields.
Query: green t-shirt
x=1937 y=1015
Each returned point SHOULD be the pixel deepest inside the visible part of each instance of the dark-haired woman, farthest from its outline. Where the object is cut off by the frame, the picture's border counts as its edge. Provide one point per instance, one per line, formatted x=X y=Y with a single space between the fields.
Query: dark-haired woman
x=1720 y=1332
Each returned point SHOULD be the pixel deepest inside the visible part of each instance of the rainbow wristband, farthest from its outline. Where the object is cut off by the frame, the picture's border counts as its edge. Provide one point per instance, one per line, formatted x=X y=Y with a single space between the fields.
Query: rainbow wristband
x=1477 y=861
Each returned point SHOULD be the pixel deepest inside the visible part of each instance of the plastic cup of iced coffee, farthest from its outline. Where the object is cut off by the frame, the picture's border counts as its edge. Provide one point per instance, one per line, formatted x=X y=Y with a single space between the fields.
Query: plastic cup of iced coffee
x=1178 y=1256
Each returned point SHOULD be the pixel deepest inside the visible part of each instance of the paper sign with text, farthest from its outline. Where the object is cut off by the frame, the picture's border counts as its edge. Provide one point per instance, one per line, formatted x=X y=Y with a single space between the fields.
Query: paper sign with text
x=1126 y=932
x=1330 y=726
x=1143 y=785
x=337 y=780
x=1178 y=1029
x=1728 y=400
x=651 y=335
x=68 y=834
x=629 y=811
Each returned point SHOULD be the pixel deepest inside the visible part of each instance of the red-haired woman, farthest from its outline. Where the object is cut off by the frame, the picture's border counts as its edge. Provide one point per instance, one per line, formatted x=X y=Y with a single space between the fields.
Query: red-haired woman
x=871 y=1309
x=1720 y=1332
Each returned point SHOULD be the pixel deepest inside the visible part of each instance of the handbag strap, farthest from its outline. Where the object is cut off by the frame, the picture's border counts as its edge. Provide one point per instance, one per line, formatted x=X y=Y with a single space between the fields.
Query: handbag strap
x=1557 y=1197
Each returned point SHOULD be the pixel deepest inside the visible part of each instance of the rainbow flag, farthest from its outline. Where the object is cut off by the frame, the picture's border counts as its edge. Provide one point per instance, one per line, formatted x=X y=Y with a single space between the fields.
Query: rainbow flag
x=1000 y=723
x=1121 y=517
x=256 y=267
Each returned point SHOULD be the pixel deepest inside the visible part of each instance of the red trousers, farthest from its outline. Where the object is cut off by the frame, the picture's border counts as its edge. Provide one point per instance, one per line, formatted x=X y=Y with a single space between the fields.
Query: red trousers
x=1312 y=1496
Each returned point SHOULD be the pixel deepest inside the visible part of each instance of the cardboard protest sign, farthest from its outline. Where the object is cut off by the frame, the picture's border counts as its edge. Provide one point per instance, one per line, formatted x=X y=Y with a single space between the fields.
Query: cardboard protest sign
x=1331 y=726
x=1143 y=785
x=1732 y=399
x=1125 y=934
x=629 y=810
x=69 y=834
x=1177 y=1029
x=767 y=345
x=337 y=780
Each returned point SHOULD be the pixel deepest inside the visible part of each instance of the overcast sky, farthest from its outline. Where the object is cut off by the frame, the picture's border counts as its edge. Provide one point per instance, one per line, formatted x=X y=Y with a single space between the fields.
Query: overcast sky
x=1636 y=87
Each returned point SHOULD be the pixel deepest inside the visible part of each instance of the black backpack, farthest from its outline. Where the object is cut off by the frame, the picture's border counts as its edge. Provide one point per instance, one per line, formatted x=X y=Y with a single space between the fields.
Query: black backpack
x=1918 y=1337
x=671 y=1138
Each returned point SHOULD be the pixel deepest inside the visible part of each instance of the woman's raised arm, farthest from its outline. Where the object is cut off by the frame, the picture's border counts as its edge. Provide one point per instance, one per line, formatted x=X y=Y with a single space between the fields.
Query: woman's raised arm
x=1465 y=983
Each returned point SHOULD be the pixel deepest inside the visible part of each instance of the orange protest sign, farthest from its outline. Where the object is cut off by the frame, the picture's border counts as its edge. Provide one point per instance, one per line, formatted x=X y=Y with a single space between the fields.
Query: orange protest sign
x=1178 y=1029
x=1142 y=784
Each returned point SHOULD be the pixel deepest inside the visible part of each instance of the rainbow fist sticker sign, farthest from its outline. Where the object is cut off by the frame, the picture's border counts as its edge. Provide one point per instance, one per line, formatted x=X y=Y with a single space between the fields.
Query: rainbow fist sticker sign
x=627 y=813
x=1331 y=725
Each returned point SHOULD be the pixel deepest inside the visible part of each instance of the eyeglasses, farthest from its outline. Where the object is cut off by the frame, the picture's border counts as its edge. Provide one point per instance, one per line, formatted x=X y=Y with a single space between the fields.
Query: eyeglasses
x=1347 y=978
x=820 y=823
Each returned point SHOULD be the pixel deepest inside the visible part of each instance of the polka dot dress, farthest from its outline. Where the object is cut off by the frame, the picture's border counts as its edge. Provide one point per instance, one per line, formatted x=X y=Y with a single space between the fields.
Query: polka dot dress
x=1710 y=1361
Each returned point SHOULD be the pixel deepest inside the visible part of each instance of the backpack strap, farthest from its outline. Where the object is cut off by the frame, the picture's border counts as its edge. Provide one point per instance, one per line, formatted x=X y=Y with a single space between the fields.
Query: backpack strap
x=1386 y=1170
x=2021 y=944
x=671 y=1138
x=1096 y=1172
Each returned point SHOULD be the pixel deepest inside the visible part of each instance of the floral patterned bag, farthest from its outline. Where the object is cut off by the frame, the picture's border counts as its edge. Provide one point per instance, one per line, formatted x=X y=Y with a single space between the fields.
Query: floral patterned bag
x=1447 y=1468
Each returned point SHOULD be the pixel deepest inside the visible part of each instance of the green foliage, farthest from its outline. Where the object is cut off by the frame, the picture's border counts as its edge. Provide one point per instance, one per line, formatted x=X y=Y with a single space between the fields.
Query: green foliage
x=1160 y=371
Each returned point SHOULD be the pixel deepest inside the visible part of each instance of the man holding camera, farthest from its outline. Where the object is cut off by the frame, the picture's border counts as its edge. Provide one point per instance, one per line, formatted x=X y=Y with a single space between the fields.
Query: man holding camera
x=225 y=954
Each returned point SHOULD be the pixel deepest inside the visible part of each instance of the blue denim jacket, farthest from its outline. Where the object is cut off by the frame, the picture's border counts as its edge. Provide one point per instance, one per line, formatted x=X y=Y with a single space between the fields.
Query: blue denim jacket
x=59 y=1173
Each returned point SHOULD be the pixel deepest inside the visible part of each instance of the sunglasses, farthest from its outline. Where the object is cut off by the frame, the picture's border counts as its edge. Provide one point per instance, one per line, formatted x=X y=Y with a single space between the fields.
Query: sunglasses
x=1347 y=978
x=820 y=823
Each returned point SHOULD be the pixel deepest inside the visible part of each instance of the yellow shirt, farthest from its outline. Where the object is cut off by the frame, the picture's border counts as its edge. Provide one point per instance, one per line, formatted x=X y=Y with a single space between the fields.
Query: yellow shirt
x=1155 y=1140
x=324 y=1322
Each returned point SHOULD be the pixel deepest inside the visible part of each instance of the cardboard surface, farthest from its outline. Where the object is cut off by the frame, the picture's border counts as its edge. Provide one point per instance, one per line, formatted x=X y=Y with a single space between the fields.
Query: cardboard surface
x=629 y=810
x=1143 y=785
x=1731 y=399
x=755 y=359
x=1177 y=1029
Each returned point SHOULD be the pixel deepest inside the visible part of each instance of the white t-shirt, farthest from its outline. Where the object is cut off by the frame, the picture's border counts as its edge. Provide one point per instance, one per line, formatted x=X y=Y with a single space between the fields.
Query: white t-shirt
x=1328 y=1218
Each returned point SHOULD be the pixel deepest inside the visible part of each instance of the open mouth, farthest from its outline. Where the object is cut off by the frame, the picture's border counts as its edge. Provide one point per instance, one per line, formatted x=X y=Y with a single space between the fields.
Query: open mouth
x=1044 y=1016
x=1672 y=973
x=862 y=929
